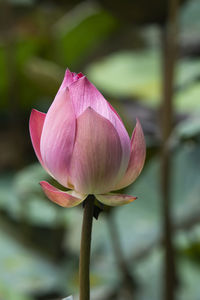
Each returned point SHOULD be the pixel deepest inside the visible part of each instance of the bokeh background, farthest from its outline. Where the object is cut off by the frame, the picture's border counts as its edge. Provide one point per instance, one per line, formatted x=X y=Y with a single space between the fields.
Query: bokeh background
x=119 y=46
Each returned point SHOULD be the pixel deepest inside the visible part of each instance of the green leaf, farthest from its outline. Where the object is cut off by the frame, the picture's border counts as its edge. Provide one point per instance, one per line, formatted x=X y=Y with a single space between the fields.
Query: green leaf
x=129 y=74
x=80 y=32
x=187 y=100
x=32 y=204
x=21 y=197
x=137 y=74
x=189 y=276
x=46 y=74
x=22 y=271
x=7 y=293
x=188 y=71
x=189 y=20
x=188 y=128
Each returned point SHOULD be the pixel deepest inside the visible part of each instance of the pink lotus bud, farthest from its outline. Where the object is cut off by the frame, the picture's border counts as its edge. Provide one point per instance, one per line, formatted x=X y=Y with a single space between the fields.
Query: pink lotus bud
x=83 y=144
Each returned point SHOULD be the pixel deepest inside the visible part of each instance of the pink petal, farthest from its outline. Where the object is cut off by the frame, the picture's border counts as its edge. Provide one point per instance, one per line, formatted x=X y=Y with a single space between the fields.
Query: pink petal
x=97 y=154
x=115 y=199
x=57 y=140
x=136 y=163
x=84 y=94
x=64 y=199
x=69 y=78
x=35 y=127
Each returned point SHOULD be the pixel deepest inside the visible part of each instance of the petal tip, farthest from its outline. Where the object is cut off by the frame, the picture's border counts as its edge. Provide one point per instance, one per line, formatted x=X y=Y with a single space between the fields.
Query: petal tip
x=36 y=122
x=132 y=199
x=115 y=199
x=138 y=124
x=67 y=72
x=64 y=199
x=43 y=183
x=33 y=114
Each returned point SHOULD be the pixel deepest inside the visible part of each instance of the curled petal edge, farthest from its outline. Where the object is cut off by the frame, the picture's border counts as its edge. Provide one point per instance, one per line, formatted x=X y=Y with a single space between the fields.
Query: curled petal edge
x=112 y=199
x=36 y=123
x=137 y=158
x=64 y=199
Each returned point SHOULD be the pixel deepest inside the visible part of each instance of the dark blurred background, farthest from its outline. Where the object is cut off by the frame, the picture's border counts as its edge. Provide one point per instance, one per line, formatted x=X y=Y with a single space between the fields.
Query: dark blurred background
x=142 y=55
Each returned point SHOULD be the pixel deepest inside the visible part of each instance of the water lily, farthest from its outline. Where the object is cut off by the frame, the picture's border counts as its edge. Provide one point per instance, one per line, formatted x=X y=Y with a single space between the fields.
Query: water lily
x=82 y=143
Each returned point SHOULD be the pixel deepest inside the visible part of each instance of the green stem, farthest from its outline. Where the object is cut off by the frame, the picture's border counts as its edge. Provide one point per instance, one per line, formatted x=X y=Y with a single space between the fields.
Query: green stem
x=84 y=263
x=169 y=61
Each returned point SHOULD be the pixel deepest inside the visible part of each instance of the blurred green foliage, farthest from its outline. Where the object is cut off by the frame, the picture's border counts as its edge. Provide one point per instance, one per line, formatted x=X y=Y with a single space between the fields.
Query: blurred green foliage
x=39 y=241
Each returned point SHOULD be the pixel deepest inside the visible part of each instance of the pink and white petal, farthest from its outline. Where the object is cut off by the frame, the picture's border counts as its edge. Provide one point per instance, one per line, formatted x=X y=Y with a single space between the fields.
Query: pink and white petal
x=112 y=199
x=68 y=79
x=84 y=94
x=124 y=139
x=58 y=135
x=137 y=159
x=36 y=123
x=96 y=156
x=64 y=199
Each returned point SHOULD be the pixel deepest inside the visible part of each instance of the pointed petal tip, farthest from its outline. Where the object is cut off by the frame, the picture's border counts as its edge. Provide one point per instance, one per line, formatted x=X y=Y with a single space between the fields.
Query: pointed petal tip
x=35 y=112
x=138 y=124
x=64 y=199
x=137 y=129
x=67 y=80
x=36 y=118
x=36 y=122
x=67 y=72
x=115 y=199
x=73 y=74
x=137 y=120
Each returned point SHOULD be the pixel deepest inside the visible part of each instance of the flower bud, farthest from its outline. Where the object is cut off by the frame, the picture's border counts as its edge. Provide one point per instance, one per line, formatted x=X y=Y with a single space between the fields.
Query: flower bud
x=83 y=144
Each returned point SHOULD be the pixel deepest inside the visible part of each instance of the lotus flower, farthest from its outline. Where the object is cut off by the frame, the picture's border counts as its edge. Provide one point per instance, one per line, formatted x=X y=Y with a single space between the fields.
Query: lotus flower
x=82 y=143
